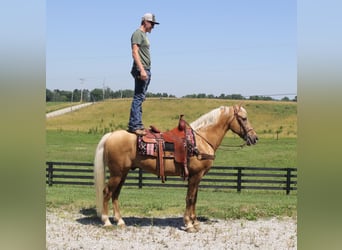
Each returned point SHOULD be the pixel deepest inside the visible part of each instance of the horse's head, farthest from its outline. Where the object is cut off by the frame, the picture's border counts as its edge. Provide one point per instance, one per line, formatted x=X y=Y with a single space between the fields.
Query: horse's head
x=241 y=126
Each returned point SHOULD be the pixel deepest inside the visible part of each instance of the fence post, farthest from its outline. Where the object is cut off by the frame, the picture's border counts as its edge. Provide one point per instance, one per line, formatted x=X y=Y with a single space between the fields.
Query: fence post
x=288 y=181
x=140 y=177
x=50 y=173
x=239 y=180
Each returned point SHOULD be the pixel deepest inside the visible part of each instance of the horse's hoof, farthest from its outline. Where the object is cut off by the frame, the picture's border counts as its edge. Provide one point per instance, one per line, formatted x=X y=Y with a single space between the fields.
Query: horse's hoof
x=121 y=223
x=106 y=221
x=190 y=229
x=197 y=226
x=107 y=224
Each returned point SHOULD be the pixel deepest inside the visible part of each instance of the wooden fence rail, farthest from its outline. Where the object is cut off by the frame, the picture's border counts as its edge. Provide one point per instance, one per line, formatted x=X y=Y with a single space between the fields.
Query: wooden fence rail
x=219 y=177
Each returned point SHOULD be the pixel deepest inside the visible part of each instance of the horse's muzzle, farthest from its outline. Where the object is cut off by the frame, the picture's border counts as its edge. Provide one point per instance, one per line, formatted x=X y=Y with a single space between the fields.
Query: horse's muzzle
x=251 y=138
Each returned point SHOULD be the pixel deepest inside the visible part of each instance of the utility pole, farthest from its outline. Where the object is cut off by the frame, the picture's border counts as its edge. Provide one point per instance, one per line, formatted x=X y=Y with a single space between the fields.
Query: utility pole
x=82 y=80
x=103 y=90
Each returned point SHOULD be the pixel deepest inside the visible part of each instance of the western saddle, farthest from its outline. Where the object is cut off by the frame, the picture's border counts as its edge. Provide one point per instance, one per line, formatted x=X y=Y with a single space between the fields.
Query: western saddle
x=178 y=144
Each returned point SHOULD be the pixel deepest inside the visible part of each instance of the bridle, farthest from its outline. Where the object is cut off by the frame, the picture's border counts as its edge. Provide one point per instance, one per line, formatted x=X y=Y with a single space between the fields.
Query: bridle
x=241 y=121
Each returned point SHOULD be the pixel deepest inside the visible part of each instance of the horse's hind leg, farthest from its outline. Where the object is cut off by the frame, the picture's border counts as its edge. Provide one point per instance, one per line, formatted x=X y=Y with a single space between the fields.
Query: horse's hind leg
x=108 y=192
x=115 y=201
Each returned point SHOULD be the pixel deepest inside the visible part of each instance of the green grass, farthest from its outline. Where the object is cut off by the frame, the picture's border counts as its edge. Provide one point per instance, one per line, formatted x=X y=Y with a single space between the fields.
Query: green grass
x=266 y=153
x=166 y=202
x=71 y=146
x=80 y=147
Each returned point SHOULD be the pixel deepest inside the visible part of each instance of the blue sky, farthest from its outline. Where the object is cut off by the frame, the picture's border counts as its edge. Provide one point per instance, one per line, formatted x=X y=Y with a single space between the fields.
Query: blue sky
x=243 y=47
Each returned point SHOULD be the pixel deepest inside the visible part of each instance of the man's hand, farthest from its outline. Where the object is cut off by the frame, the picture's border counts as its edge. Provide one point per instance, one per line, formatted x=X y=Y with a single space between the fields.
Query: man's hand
x=135 y=53
x=143 y=75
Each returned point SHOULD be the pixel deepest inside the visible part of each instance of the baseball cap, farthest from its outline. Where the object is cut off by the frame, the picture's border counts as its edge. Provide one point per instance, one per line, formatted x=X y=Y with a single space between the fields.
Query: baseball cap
x=150 y=17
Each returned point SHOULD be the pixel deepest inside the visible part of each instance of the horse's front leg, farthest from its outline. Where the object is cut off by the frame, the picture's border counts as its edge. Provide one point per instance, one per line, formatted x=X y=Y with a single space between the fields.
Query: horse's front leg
x=193 y=216
x=190 y=219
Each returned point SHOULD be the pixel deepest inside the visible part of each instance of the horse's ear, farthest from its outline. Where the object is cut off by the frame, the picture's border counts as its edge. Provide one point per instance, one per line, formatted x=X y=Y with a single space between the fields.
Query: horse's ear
x=236 y=108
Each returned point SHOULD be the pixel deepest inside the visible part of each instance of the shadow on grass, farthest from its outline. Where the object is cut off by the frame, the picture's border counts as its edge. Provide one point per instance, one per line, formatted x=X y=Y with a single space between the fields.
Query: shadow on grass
x=176 y=222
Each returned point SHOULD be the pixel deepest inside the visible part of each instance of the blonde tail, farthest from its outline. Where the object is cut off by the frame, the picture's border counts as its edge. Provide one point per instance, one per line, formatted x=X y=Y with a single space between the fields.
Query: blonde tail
x=100 y=173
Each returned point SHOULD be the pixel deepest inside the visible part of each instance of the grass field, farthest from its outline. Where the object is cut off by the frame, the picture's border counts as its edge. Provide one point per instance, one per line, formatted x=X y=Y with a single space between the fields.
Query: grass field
x=74 y=136
x=268 y=152
x=167 y=202
x=268 y=118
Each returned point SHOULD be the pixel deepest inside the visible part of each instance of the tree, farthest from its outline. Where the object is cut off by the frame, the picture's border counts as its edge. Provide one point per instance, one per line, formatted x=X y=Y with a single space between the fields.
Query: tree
x=48 y=95
x=237 y=97
x=97 y=94
x=264 y=98
x=76 y=95
x=65 y=95
x=190 y=96
x=222 y=96
x=127 y=93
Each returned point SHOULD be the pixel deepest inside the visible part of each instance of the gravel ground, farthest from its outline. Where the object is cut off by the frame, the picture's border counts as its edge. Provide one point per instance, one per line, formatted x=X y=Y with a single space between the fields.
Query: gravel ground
x=65 y=230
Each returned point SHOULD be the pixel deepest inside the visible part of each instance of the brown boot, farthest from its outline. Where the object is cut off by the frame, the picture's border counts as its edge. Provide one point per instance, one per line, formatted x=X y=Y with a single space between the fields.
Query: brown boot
x=140 y=132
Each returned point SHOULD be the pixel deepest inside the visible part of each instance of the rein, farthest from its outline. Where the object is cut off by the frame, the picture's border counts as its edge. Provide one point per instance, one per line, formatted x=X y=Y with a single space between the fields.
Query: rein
x=211 y=145
x=228 y=147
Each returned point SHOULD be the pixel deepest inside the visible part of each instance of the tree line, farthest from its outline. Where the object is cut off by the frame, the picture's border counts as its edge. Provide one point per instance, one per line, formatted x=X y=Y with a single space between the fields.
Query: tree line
x=95 y=95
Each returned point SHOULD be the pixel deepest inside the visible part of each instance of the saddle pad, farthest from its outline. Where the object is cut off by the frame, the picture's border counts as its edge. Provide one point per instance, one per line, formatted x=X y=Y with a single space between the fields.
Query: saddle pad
x=146 y=148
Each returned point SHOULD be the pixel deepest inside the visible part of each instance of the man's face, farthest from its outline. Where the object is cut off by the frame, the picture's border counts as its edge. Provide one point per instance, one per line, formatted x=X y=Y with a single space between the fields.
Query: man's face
x=149 y=26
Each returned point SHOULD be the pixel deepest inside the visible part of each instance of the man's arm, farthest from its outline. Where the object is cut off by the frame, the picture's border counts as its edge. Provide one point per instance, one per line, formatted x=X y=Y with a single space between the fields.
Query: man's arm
x=136 y=57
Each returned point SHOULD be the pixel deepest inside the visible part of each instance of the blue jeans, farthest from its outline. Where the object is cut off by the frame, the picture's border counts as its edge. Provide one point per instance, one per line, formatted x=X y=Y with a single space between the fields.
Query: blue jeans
x=140 y=89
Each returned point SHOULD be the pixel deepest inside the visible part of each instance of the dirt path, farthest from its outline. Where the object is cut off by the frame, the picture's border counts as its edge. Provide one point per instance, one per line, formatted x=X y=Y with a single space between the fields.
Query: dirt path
x=68 y=109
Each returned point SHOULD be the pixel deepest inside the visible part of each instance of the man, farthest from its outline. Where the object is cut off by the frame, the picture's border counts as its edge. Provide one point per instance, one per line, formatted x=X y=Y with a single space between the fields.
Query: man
x=140 y=71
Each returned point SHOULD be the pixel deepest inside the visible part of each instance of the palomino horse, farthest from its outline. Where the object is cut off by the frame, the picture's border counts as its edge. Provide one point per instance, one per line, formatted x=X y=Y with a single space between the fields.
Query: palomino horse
x=118 y=150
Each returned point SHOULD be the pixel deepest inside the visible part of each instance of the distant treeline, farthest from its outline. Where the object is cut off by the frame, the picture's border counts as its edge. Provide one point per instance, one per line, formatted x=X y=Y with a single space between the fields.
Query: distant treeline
x=95 y=95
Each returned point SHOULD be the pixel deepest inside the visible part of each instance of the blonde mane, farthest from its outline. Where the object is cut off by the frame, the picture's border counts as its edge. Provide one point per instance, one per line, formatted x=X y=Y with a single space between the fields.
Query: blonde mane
x=209 y=118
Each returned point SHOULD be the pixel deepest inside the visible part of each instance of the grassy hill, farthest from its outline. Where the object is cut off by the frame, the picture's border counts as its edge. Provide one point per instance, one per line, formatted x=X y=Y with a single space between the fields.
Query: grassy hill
x=268 y=118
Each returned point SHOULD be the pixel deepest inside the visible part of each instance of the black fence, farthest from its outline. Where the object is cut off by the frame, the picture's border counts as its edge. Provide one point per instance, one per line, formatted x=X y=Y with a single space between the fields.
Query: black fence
x=219 y=177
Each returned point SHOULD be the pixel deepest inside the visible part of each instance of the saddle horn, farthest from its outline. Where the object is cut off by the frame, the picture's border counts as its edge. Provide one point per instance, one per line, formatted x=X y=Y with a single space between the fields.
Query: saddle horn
x=181 y=124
